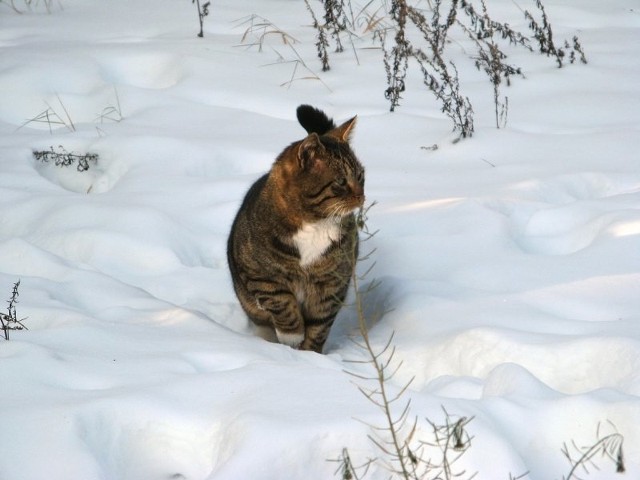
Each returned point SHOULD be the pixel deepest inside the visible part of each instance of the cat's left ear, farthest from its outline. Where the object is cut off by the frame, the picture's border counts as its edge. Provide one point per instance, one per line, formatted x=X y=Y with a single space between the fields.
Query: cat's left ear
x=344 y=131
x=310 y=151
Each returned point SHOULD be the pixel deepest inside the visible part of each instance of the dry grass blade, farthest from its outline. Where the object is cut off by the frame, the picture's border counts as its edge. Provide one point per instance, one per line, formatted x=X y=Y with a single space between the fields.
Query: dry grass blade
x=47 y=116
x=52 y=118
x=260 y=28
x=371 y=22
x=112 y=112
x=69 y=122
x=609 y=446
x=311 y=75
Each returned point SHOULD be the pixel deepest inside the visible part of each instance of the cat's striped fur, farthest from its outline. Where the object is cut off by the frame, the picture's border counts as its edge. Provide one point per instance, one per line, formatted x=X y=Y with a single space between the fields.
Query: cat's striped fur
x=293 y=243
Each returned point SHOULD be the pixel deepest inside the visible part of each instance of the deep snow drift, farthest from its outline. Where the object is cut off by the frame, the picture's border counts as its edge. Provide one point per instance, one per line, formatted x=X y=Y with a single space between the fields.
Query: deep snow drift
x=510 y=262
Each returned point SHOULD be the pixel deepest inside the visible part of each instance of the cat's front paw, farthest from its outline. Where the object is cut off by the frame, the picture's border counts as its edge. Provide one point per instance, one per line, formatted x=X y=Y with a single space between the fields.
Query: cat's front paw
x=290 y=338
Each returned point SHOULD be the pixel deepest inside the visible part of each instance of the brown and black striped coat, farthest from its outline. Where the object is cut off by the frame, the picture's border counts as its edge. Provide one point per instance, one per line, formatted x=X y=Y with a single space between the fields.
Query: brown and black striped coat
x=293 y=244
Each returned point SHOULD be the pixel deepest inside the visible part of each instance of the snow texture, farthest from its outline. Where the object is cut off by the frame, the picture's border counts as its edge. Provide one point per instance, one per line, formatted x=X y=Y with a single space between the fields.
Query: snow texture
x=509 y=262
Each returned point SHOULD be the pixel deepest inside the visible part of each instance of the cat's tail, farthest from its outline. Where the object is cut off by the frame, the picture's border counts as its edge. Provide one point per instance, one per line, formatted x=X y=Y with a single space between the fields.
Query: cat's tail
x=314 y=120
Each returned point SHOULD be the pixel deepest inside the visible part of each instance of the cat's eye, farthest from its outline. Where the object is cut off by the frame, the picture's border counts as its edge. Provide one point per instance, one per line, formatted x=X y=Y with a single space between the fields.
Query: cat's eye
x=341 y=182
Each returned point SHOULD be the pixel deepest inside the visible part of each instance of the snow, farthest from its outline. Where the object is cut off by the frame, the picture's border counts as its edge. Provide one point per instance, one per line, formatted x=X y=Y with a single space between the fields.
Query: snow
x=509 y=263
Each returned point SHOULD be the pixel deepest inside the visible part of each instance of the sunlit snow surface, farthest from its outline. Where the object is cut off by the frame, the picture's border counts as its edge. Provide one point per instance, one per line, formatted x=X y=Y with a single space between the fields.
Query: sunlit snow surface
x=510 y=262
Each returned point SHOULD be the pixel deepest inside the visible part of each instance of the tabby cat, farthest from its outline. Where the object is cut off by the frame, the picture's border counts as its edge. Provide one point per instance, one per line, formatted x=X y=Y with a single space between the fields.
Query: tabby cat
x=294 y=241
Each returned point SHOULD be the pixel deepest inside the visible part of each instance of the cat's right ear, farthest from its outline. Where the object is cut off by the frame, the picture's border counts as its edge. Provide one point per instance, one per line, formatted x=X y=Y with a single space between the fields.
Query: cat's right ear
x=310 y=151
x=344 y=131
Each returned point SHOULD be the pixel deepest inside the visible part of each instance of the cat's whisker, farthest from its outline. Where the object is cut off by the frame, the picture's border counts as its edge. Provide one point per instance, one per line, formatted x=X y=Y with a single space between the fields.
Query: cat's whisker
x=333 y=212
x=337 y=211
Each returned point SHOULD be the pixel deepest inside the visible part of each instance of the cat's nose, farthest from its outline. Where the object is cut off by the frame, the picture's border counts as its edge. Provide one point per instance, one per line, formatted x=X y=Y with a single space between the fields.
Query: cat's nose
x=357 y=192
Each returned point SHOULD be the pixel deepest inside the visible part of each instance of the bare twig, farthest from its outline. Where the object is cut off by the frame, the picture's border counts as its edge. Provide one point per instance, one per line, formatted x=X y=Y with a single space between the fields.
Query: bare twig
x=609 y=446
x=259 y=28
x=112 y=112
x=349 y=471
x=10 y=321
x=435 y=25
x=51 y=117
x=63 y=158
x=203 y=11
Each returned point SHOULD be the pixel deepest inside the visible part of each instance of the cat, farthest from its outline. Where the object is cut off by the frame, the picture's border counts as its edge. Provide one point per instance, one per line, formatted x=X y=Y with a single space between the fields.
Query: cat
x=293 y=244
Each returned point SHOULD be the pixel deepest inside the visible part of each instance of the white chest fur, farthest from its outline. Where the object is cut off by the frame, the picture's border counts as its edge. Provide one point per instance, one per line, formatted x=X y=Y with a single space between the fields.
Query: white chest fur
x=313 y=239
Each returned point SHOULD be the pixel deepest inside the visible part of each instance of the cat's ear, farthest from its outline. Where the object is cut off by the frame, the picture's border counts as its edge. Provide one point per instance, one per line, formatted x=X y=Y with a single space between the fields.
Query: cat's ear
x=310 y=151
x=344 y=131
